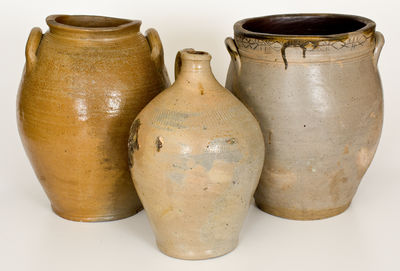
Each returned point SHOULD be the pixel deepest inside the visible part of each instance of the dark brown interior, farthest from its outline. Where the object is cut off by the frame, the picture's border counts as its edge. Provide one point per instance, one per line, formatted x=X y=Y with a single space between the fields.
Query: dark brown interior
x=90 y=21
x=197 y=52
x=304 y=24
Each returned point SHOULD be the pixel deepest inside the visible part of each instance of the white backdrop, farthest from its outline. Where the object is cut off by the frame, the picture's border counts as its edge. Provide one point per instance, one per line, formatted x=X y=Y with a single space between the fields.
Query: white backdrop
x=365 y=237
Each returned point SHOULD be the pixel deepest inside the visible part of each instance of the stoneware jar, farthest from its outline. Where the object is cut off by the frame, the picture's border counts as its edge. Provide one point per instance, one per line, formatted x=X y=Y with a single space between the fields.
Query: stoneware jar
x=196 y=157
x=84 y=82
x=312 y=82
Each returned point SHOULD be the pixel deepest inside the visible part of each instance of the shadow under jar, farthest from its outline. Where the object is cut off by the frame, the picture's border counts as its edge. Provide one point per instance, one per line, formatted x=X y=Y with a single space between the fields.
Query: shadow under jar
x=312 y=82
x=84 y=82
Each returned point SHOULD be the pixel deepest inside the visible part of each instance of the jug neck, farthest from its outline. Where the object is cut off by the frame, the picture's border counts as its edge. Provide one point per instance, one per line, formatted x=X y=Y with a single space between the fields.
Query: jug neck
x=193 y=67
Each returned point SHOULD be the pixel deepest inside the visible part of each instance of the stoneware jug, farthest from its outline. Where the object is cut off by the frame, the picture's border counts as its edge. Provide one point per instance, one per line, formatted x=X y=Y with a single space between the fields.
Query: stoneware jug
x=84 y=82
x=196 y=157
x=312 y=82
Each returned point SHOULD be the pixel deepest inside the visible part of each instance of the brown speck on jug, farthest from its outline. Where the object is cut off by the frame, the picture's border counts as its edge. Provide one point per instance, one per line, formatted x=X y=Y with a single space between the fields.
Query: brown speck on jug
x=201 y=89
x=133 y=143
x=159 y=143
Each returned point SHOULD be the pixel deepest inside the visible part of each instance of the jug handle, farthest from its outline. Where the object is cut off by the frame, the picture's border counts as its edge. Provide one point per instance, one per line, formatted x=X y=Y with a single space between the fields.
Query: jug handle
x=234 y=52
x=379 y=42
x=178 y=64
x=31 y=48
x=157 y=52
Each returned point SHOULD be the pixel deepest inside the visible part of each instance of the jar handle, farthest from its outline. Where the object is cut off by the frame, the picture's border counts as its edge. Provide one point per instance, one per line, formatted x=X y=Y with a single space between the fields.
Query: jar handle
x=379 y=42
x=31 y=48
x=234 y=52
x=157 y=52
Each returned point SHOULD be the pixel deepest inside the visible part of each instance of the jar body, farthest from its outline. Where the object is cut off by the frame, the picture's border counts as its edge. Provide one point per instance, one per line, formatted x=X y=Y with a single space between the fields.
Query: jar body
x=321 y=118
x=75 y=107
x=197 y=155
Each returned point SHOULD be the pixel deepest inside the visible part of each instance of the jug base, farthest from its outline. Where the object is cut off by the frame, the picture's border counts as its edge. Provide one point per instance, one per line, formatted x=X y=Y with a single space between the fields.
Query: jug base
x=197 y=255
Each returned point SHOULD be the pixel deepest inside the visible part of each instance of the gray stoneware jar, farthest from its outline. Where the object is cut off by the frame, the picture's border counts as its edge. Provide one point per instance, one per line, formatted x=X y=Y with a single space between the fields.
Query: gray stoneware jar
x=313 y=83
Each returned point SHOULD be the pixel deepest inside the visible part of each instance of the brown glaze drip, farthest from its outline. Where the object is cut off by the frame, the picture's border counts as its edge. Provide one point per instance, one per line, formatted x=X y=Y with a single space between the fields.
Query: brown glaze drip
x=296 y=43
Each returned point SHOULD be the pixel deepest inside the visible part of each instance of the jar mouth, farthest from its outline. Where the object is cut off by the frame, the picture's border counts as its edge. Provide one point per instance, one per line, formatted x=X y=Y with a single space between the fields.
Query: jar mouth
x=90 y=24
x=304 y=26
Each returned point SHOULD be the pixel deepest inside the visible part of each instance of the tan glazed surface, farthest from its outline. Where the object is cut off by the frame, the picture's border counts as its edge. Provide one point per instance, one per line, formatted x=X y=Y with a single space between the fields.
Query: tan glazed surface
x=84 y=82
x=196 y=155
x=312 y=82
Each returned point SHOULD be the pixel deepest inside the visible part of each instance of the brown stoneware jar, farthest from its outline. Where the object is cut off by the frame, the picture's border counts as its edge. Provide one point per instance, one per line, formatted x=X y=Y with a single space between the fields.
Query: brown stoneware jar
x=196 y=155
x=312 y=81
x=84 y=82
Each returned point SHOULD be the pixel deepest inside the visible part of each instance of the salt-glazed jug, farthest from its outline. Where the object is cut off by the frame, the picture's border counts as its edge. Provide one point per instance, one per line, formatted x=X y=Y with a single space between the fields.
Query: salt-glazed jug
x=196 y=157
x=84 y=82
x=312 y=82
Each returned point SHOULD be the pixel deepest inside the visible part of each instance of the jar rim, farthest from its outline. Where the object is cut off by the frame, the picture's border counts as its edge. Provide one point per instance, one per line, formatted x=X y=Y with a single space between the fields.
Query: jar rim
x=310 y=26
x=90 y=24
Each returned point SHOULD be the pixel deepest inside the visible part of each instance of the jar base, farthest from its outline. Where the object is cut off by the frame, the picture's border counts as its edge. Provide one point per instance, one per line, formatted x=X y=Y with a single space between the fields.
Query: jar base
x=302 y=214
x=96 y=218
x=198 y=255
